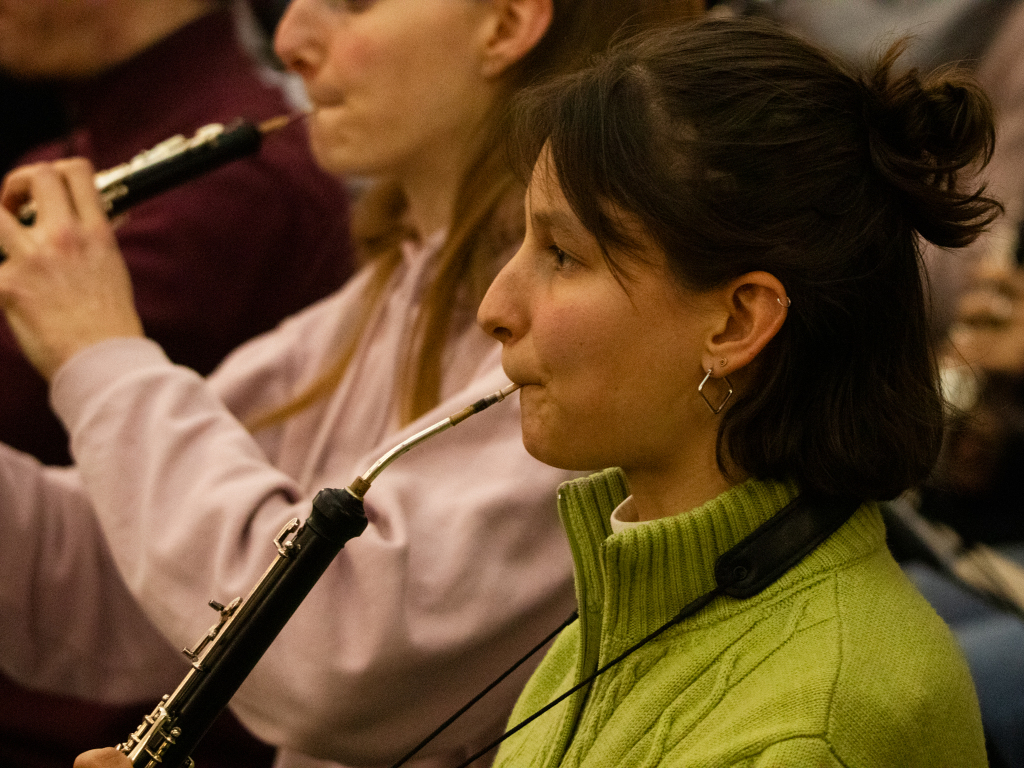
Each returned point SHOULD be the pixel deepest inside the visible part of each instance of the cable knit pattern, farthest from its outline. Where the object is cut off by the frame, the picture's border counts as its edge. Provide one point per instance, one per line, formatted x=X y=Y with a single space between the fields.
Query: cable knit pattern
x=839 y=663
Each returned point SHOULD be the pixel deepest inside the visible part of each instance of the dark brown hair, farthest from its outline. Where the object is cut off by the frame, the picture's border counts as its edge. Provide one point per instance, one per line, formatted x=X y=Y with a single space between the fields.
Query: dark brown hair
x=487 y=220
x=741 y=147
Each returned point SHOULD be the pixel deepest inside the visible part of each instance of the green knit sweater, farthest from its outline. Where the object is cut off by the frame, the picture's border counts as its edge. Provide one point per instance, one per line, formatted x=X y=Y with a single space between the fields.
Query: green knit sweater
x=839 y=663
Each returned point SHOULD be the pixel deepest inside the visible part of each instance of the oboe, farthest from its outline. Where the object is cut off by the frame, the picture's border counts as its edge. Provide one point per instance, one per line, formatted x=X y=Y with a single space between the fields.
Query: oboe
x=224 y=656
x=173 y=162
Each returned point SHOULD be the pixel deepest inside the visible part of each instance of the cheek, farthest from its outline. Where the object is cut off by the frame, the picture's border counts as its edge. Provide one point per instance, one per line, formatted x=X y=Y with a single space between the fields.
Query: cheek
x=566 y=425
x=550 y=428
x=40 y=41
x=562 y=341
x=394 y=46
x=353 y=58
x=564 y=418
x=432 y=64
x=580 y=342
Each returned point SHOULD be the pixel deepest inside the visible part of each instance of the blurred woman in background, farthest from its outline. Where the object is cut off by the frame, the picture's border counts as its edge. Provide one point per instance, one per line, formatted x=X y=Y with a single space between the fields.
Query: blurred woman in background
x=173 y=501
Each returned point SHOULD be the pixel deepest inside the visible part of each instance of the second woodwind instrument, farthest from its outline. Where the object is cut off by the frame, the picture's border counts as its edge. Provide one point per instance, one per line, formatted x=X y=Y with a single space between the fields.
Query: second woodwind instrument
x=226 y=654
x=175 y=161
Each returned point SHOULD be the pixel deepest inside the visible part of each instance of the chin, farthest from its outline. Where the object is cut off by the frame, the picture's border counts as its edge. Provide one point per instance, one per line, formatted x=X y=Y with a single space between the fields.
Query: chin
x=339 y=160
x=554 y=438
x=326 y=154
x=561 y=456
x=327 y=145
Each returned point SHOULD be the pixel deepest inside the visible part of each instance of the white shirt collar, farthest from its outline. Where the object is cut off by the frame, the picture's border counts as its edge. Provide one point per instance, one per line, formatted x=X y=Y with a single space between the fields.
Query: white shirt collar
x=624 y=516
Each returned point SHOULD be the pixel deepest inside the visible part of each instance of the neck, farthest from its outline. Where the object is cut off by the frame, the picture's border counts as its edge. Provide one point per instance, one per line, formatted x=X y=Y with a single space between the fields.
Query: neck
x=430 y=202
x=433 y=182
x=692 y=479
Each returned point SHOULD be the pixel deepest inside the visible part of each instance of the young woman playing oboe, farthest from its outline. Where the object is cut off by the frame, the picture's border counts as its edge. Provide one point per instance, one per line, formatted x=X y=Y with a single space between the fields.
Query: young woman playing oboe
x=720 y=294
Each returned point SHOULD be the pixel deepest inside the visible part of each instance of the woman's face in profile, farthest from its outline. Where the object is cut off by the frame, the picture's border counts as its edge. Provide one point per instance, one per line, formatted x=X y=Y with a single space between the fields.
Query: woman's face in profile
x=609 y=370
x=392 y=83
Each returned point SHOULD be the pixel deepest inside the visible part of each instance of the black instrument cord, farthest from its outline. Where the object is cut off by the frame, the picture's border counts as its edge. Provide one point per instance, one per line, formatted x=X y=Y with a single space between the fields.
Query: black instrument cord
x=743 y=571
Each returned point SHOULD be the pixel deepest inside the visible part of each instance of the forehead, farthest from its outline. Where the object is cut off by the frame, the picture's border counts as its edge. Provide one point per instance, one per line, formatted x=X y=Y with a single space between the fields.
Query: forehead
x=546 y=203
x=626 y=245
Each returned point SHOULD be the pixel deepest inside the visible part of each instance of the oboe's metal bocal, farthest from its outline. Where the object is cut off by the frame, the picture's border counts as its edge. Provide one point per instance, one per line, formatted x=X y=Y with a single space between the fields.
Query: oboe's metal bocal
x=224 y=656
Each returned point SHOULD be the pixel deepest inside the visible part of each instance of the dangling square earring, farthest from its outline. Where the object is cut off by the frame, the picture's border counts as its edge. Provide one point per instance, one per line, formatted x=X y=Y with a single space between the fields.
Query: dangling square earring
x=715 y=409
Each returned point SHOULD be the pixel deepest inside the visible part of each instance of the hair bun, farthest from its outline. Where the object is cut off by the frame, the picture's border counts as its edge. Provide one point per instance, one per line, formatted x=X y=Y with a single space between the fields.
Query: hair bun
x=923 y=133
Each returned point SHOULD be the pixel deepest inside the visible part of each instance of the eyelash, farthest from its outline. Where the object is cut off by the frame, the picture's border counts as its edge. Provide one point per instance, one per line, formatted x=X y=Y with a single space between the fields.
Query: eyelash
x=352 y=6
x=562 y=259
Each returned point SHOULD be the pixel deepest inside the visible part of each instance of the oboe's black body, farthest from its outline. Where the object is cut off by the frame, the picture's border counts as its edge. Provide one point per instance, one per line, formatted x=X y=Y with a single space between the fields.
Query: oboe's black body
x=223 y=659
x=172 y=163
x=192 y=159
x=240 y=140
x=228 y=652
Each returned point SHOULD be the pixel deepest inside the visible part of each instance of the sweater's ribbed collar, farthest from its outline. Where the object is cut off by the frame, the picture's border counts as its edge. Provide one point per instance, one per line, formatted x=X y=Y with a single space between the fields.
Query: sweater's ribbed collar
x=632 y=582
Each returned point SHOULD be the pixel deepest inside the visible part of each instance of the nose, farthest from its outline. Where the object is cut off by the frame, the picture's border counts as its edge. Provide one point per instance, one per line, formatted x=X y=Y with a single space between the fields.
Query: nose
x=298 y=40
x=501 y=313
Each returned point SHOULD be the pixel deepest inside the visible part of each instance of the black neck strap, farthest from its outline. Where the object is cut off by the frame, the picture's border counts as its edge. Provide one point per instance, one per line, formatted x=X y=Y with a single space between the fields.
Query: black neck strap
x=783 y=541
x=747 y=569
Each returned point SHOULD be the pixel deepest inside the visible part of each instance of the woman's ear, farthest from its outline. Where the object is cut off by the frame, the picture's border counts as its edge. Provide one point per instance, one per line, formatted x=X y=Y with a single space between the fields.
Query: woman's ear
x=755 y=306
x=513 y=29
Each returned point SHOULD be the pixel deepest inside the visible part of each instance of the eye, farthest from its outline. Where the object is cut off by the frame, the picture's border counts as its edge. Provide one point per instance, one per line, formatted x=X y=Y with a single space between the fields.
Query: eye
x=352 y=6
x=563 y=261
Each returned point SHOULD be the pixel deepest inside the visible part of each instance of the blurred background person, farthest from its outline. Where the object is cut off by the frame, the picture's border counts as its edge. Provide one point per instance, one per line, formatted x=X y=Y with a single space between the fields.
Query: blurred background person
x=213 y=262
x=206 y=259
x=941 y=31
x=977 y=490
x=975 y=493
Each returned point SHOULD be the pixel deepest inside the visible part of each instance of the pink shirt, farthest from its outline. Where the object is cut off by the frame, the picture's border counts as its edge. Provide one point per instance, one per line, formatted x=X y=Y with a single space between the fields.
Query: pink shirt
x=464 y=565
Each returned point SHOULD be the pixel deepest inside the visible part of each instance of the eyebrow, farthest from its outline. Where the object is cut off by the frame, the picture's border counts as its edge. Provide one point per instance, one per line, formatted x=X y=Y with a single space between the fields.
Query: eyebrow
x=547 y=217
